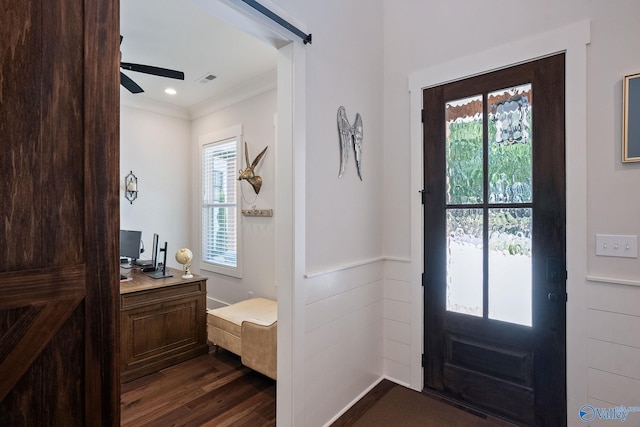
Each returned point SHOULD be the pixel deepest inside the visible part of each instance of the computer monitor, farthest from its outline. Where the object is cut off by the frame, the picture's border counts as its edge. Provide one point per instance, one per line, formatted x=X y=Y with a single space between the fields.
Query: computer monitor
x=154 y=254
x=163 y=272
x=149 y=264
x=130 y=244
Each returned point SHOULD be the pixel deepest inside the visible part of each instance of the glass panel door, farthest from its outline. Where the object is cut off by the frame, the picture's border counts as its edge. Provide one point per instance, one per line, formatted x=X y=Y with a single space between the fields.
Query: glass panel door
x=494 y=241
x=488 y=202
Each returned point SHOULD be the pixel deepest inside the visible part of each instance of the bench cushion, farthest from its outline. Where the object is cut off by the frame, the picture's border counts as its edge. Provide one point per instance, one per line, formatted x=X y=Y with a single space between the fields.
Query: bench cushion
x=224 y=325
x=260 y=311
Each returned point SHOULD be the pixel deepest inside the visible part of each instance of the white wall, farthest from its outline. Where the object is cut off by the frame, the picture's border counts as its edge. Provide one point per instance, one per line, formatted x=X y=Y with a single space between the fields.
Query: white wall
x=344 y=219
x=256 y=116
x=163 y=152
x=419 y=37
x=338 y=307
x=357 y=239
x=156 y=148
x=613 y=318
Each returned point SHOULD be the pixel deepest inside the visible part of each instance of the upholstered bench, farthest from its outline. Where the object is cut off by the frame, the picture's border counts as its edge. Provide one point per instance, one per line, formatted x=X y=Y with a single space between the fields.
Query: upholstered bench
x=247 y=328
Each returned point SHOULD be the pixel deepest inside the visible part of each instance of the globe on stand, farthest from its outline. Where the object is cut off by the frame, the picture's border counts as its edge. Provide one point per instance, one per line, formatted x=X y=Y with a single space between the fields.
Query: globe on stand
x=184 y=257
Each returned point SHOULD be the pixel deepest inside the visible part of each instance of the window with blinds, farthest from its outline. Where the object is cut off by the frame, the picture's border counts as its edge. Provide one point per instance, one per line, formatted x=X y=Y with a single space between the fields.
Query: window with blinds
x=220 y=209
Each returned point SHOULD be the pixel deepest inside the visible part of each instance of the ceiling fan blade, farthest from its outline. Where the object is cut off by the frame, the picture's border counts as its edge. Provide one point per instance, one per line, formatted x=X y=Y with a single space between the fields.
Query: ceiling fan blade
x=156 y=71
x=129 y=84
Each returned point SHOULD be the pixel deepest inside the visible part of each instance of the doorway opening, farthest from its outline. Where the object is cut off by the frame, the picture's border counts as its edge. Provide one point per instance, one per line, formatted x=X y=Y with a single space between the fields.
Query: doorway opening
x=289 y=58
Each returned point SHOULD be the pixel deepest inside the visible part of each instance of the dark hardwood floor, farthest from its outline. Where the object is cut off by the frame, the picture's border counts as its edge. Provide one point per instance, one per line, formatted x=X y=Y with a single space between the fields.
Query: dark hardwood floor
x=214 y=389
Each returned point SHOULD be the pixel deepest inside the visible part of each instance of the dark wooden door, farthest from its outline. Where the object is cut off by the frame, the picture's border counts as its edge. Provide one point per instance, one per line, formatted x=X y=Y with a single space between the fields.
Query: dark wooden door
x=59 y=284
x=494 y=215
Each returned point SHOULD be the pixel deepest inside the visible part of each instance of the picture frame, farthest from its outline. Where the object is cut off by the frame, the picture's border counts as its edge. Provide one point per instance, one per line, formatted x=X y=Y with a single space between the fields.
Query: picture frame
x=631 y=118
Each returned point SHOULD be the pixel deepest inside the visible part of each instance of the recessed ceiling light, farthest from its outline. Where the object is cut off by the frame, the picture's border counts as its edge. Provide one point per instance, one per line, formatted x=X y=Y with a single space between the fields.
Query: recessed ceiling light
x=170 y=91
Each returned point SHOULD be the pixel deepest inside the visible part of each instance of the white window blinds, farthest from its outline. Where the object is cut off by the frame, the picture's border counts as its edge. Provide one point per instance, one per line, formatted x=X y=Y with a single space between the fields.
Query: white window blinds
x=219 y=204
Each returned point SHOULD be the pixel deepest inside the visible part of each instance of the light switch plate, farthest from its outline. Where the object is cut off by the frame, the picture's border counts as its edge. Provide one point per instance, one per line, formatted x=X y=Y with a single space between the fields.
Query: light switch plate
x=624 y=246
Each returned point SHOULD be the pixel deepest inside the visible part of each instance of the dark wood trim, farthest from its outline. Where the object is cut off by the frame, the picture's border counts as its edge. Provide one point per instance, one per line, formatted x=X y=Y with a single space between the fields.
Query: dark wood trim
x=550 y=316
x=435 y=255
x=26 y=287
x=102 y=224
x=28 y=336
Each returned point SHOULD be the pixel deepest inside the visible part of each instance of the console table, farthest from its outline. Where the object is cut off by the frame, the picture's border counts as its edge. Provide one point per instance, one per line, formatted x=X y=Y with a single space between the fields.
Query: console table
x=162 y=321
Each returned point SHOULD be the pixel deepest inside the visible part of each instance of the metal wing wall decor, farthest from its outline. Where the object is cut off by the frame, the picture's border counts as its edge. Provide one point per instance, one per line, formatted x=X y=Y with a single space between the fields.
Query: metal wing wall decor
x=350 y=136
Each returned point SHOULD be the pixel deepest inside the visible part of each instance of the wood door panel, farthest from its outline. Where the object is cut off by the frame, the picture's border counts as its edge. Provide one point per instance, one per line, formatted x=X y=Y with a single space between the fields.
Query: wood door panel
x=435 y=253
x=24 y=342
x=510 y=364
x=51 y=388
x=62 y=145
x=502 y=397
x=20 y=126
x=59 y=131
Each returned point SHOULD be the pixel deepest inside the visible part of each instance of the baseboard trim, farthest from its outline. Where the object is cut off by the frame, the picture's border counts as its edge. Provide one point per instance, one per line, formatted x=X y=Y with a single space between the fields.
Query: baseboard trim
x=215 y=303
x=354 y=401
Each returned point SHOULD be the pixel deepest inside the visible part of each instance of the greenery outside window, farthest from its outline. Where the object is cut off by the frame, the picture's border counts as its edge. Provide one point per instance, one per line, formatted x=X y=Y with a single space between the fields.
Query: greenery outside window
x=220 y=230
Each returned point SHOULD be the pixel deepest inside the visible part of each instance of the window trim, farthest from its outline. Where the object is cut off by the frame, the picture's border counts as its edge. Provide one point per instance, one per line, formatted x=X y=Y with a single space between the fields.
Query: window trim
x=220 y=136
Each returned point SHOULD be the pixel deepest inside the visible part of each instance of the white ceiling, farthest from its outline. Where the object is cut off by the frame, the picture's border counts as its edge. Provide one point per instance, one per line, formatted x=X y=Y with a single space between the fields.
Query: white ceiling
x=180 y=35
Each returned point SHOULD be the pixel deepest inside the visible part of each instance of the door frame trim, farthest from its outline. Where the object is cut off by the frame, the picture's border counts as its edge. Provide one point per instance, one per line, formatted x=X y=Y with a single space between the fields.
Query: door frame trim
x=290 y=128
x=573 y=40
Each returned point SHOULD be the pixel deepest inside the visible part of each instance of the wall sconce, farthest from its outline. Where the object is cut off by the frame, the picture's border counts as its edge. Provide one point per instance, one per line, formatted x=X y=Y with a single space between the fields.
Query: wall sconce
x=130 y=187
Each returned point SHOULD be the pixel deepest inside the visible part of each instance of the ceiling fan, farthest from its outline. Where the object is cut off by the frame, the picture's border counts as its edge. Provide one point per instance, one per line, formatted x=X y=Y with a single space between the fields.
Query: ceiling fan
x=132 y=86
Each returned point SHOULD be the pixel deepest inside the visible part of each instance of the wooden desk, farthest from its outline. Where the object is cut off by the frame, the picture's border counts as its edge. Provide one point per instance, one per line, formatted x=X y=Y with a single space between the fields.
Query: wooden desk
x=162 y=322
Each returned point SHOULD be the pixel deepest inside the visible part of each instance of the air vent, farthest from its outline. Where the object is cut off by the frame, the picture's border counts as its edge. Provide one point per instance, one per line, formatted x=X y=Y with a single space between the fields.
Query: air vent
x=206 y=78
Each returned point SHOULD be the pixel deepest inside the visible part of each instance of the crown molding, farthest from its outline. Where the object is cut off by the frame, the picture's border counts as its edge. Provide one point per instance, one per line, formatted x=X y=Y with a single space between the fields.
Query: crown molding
x=253 y=87
x=155 y=106
x=249 y=89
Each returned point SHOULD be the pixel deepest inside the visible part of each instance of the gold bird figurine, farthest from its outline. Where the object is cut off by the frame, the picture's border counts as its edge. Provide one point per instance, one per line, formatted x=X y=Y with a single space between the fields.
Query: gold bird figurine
x=249 y=172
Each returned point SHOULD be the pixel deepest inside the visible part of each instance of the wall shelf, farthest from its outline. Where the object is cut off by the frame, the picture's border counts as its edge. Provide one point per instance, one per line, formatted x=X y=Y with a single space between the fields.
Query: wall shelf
x=257 y=212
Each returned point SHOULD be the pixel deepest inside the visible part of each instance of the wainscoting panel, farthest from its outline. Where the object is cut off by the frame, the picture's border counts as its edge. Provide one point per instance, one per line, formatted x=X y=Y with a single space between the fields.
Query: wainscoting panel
x=604 y=422
x=397 y=331
x=614 y=358
x=343 y=337
x=613 y=348
x=327 y=283
x=397 y=321
x=615 y=390
x=397 y=351
x=613 y=327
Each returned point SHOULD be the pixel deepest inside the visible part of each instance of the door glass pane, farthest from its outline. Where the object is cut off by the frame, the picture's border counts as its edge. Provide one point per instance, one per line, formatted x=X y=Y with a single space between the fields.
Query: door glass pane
x=463 y=120
x=510 y=145
x=510 y=265
x=464 y=261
